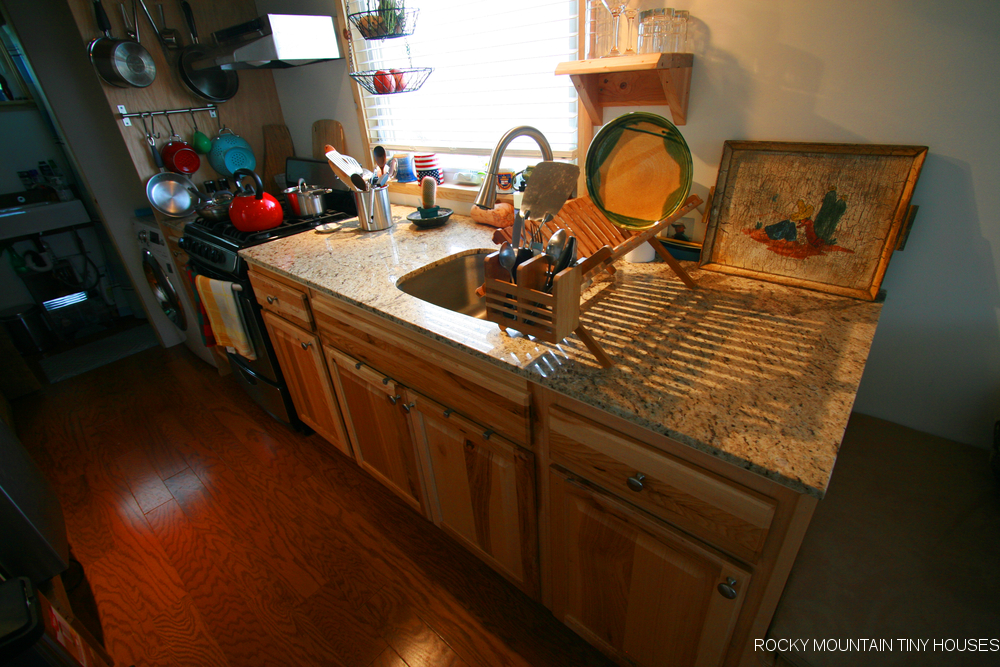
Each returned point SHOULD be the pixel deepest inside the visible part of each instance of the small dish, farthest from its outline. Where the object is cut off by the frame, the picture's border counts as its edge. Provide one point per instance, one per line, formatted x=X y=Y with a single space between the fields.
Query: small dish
x=436 y=221
x=328 y=228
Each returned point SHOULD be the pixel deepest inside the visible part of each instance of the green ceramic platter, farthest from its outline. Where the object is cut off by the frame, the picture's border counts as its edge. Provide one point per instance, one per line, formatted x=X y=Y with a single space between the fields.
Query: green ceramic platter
x=638 y=170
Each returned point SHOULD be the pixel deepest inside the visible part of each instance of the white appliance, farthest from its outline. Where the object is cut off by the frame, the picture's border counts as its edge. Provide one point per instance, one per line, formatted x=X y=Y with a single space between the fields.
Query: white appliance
x=167 y=286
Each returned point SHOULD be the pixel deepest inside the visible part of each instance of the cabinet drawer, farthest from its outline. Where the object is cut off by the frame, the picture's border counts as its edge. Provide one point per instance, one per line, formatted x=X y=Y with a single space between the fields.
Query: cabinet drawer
x=732 y=517
x=282 y=300
x=484 y=393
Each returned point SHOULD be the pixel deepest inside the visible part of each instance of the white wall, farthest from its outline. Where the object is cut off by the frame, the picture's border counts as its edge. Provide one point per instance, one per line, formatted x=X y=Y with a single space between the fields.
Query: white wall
x=881 y=71
x=314 y=92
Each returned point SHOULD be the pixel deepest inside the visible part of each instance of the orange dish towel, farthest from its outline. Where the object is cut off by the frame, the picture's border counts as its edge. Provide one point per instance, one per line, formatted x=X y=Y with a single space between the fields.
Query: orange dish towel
x=225 y=316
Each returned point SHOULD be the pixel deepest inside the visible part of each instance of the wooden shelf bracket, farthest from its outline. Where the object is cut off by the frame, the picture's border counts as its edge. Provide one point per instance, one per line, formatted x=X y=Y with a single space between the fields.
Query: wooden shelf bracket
x=644 y=79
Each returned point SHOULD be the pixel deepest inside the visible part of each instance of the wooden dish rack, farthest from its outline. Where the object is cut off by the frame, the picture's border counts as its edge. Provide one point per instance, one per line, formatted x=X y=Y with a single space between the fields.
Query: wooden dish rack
x=552 y=316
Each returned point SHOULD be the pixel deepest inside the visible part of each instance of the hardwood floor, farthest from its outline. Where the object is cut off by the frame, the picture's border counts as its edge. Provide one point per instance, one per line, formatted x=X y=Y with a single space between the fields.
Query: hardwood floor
x=211 y=534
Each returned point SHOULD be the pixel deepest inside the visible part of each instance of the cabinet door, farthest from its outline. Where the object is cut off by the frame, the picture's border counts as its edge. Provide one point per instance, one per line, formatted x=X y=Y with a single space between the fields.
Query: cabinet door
x=481 y=490
x=633 y=587
x=302 y=364
x=378 y=427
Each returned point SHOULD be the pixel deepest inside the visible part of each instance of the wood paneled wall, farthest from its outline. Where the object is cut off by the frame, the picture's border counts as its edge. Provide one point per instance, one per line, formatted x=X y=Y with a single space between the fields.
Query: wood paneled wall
x=255 y=104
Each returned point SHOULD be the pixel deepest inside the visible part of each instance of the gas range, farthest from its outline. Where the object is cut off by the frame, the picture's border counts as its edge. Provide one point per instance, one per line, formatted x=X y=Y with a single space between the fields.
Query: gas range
x=215 y=244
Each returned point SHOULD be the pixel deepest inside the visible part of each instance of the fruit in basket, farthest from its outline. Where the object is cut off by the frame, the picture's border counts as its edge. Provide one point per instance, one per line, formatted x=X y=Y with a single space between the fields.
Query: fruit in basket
x=371 y=25
x=384 y=82
x=399 y=80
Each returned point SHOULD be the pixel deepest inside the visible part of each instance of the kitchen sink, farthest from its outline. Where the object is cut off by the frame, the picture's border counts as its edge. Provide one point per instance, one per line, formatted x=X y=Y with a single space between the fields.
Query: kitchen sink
x=450 y=283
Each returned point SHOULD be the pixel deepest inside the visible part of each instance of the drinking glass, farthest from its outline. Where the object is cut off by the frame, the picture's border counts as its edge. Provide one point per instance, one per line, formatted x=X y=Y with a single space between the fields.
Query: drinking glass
x=616 y=9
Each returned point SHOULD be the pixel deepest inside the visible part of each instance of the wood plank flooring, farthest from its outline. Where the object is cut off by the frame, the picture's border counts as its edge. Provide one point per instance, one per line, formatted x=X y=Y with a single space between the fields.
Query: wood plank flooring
x=213 y=535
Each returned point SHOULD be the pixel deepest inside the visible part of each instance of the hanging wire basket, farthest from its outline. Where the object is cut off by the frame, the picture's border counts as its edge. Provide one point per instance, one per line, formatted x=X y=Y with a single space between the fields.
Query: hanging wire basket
x=385 y=23
x=389 y=82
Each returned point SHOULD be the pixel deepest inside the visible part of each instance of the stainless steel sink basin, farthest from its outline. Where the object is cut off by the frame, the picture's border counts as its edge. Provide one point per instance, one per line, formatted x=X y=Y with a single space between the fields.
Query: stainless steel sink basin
x=451 y=283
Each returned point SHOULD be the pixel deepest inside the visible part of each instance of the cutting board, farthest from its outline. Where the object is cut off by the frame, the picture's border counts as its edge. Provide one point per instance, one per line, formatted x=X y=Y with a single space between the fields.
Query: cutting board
x=328 y=132
x=277 y=148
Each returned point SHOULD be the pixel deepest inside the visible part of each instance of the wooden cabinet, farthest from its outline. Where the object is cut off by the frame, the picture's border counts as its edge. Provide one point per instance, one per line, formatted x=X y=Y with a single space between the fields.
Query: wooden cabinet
x=301 y=361
x=725 y=514
x=376 y=419
x=637 y=589
x=283 y=300
x=477 y=389
x=481 y=489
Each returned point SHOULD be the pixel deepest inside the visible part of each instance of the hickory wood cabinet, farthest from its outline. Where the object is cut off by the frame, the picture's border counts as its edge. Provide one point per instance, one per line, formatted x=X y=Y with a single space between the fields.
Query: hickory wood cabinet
x=456 y=458
x=654 y=552
x=286 y=312
x=378 y=425
x=481 y=489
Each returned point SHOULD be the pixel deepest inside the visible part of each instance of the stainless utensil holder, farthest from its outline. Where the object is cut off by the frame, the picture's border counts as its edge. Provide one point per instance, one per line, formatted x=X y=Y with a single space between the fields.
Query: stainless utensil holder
x=374 y=213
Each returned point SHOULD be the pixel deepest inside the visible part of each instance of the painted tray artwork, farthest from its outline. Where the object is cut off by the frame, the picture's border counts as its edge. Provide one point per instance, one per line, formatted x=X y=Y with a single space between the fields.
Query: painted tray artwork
x=825 y=217
x=638 y=170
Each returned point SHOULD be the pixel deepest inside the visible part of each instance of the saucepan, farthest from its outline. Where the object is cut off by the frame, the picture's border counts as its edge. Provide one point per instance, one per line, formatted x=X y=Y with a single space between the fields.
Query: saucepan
x=120 y=62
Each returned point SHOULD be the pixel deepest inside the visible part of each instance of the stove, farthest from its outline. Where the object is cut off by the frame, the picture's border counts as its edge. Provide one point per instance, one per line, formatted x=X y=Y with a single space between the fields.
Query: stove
x=215 y=244
x=212 y=249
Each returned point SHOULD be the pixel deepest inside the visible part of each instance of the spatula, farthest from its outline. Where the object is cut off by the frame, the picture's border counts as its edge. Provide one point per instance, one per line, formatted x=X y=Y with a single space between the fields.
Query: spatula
x=550 y=185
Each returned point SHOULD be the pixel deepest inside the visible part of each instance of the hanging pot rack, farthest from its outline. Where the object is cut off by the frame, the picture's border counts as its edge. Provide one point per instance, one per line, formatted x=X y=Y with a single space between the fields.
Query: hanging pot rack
x=127 y=116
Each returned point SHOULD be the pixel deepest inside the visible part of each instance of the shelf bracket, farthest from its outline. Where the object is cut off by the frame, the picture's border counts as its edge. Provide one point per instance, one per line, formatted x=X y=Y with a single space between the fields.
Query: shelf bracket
x=644 y=79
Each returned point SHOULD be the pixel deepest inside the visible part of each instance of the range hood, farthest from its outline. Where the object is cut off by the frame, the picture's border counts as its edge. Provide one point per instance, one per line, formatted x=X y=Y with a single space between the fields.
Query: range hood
x=273 y=41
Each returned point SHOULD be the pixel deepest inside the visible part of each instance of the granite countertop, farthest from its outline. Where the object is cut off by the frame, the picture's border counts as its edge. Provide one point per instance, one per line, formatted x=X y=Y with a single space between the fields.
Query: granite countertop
x=760 y=375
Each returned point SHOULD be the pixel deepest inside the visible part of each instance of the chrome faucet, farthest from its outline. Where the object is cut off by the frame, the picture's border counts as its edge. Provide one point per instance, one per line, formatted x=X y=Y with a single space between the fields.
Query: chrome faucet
x=487 y=197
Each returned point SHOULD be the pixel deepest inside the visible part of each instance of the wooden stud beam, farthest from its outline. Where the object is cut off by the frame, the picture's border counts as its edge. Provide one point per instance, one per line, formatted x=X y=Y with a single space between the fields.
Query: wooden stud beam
x=648 y=78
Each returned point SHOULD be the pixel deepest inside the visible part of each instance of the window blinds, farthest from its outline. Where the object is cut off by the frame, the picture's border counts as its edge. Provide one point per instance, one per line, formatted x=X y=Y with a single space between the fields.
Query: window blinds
x=494 y=67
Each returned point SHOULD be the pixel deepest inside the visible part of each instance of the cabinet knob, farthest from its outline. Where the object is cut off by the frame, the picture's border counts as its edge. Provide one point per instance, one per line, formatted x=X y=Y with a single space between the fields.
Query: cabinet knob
x=728 y=589
x=358 y=365
x=407 y=407
x=272 y=299
x=306 y=346
x=487 y=433
x=393 y=399
x=635 y=482
x=447 y=413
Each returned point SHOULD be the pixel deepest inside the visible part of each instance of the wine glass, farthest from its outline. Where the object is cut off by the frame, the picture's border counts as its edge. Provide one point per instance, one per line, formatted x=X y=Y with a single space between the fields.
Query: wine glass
x=616 y=9
x=630 y=14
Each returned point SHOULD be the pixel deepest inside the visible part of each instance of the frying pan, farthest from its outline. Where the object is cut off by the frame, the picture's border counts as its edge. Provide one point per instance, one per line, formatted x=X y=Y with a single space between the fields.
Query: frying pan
x=120 y=62
x=214 y=83
x=169 y=193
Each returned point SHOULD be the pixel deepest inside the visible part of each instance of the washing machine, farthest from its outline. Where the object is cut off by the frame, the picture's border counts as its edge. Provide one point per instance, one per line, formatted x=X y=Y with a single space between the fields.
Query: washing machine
x=167 y=286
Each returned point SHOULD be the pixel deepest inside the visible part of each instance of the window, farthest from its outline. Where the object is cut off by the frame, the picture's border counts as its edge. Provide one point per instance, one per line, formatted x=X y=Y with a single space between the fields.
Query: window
x=493 y=70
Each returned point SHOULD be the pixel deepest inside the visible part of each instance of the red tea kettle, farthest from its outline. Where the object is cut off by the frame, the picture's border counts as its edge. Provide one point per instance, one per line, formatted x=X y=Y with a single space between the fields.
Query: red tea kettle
x=253 y=210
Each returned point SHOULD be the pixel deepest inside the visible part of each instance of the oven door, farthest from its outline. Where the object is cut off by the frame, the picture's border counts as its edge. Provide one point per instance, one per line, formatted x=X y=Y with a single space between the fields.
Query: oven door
x=264 y=366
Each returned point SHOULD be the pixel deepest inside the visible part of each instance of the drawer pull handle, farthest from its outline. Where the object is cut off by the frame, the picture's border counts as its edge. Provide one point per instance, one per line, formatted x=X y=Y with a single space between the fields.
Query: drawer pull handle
x=358 y=365
x=407 y=407
x=447 y=413
x=728 y=589
x=393 y=399
x=487 y=433
x=635 y=482
x=385 y=381
x=272 y=299
x=305 y=346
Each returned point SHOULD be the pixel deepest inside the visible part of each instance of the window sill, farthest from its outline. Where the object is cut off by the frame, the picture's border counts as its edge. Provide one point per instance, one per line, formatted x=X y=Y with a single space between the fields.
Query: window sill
x=451 y=192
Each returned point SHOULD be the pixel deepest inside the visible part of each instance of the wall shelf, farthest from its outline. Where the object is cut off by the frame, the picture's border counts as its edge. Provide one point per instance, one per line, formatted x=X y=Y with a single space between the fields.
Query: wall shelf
x=647 y=78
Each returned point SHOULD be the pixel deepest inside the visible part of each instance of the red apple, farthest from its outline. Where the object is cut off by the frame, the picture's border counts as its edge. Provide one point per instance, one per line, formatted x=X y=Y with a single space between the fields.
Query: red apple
x=384 y=82
x=399 y=79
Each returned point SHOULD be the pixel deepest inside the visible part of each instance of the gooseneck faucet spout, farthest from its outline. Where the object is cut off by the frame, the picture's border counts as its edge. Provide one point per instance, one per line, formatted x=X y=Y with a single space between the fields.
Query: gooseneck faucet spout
x=488 y=191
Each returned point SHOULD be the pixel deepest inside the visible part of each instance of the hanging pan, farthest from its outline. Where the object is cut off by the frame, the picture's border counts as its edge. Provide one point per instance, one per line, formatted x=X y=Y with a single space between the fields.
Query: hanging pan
x=171 y=194
x=213 y=83
x=120 y=62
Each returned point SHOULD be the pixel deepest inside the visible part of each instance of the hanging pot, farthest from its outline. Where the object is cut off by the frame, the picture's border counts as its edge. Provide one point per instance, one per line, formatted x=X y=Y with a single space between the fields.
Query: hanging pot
x=120 y=62
x=254 y=210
